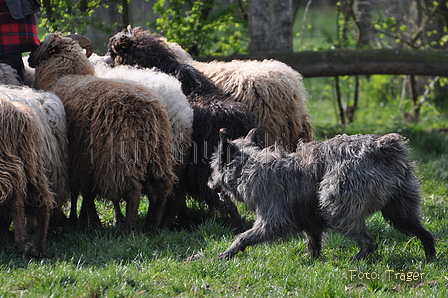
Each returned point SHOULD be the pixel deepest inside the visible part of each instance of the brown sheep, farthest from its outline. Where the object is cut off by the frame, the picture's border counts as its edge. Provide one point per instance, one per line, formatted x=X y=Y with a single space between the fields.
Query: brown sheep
x=119 y=133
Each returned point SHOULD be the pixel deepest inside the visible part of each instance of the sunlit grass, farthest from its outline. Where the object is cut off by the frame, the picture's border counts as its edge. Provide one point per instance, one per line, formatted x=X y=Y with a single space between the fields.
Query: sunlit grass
x=100 y=263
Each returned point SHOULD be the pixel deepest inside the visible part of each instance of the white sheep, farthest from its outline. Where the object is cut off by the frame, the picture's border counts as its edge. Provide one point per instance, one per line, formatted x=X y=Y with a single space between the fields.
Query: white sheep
x=272 y=90
x=168 y=88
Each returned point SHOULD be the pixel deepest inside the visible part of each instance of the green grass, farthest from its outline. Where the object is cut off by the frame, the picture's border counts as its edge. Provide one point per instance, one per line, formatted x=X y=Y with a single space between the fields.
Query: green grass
x=184 y=263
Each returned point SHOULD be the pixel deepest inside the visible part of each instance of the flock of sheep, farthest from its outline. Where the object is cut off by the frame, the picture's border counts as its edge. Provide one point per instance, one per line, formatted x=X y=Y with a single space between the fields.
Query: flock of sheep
x=146 y=120
x=141 y=121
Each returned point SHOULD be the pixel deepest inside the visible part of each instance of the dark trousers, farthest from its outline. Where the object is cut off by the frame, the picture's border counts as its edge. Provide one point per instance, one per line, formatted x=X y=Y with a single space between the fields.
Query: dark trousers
x=16 y=62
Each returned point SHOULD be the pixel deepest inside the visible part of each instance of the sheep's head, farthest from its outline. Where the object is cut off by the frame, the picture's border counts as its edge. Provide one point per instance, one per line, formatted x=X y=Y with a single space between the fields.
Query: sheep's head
x=53 y=44
x=138 y=47
x=121 y=43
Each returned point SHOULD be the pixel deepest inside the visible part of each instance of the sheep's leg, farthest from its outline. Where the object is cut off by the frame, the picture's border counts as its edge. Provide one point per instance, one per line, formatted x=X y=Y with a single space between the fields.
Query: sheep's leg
x=158 y=198
x=21 y=236
x=175 y=202
x=73 y=209
x=230 y=208
x=58 y=218
x=43 y=219
x=405 y=218
x=258 y=233
x=132 y=198
x=226 y=207
x=5 y=223
x=88 y=208
x=119 y=217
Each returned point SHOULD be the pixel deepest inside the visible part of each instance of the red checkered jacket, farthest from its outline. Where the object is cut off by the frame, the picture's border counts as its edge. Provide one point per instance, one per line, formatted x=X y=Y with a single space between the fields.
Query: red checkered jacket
x=17 y=36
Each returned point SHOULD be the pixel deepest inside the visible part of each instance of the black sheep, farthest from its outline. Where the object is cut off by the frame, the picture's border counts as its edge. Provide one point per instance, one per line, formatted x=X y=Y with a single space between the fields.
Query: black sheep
x=212 y=111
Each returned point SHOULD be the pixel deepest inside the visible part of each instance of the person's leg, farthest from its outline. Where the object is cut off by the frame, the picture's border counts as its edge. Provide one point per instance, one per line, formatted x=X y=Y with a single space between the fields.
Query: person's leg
x=16 y=62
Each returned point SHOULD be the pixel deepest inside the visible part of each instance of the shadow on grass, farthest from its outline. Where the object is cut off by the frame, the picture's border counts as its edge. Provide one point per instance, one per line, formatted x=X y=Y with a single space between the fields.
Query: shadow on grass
x=101 y=246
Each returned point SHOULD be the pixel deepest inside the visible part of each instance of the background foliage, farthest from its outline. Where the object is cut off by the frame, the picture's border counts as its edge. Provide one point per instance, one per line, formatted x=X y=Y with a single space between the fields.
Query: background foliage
x=202 y=27
x=71 y=16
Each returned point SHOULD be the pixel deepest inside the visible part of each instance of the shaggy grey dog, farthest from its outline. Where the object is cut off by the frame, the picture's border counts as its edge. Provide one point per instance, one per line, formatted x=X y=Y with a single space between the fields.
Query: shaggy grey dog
x=337 y=184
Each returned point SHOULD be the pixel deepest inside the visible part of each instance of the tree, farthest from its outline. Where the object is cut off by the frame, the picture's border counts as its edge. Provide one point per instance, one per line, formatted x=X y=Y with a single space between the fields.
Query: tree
x=270 y=26
x=416 y=24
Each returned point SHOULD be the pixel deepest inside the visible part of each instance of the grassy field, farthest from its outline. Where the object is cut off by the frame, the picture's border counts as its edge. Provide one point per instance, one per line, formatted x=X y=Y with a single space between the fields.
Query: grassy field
x=184 y=263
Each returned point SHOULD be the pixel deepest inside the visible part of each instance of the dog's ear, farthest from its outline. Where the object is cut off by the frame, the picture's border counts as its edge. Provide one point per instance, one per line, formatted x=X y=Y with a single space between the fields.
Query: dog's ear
x=256 y=137
x=223 y=145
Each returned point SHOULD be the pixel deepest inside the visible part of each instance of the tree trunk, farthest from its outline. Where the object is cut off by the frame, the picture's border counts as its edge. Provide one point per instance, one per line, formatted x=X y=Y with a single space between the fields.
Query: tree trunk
x=363 y=17
x=125 y=15
x=270 y=26
x=295 y=8
x=48 y=11
x=339 y=101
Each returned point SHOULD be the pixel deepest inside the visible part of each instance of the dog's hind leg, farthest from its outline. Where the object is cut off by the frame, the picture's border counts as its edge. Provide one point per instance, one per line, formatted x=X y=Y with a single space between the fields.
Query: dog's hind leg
x=314 y=241
x=404 y=215
x=350 y=221
x=356 y=229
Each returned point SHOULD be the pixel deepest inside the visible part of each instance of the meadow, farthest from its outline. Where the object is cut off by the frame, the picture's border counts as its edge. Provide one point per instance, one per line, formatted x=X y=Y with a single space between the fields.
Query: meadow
x=184 y=262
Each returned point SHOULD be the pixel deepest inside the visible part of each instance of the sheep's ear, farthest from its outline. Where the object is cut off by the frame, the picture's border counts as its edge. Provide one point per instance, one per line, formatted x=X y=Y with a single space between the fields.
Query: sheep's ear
x=42 y=52
x=84 y=42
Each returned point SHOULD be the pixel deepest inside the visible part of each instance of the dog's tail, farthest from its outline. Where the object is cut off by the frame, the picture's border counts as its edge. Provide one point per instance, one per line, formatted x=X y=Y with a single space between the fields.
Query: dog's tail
x=394 y=146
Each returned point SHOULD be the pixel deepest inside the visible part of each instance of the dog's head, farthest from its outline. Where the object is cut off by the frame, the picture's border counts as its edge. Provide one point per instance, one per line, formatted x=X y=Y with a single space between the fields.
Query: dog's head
x=230 y=156
x=229 y=150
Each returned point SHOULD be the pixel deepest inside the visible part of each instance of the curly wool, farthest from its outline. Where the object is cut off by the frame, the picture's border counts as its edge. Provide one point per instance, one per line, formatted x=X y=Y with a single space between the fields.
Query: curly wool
x=272 y=90
x=168 y=88
x=24 y=187
x=137 y=47
x=212 y=109
x=51 y=114
x=119 y=133
x=9 y=76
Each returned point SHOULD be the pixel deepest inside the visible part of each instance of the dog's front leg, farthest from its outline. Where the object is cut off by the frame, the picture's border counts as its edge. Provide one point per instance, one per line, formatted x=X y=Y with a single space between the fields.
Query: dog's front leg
x=258 y=233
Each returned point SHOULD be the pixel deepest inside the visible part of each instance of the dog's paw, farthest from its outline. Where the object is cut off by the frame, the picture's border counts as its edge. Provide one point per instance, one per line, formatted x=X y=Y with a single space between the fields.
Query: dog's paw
x=226 y=255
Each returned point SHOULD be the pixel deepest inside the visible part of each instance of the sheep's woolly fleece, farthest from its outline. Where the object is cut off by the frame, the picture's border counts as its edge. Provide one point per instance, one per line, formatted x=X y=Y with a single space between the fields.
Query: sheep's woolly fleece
x=172 y=98
x=21 y=158
x=50 y=112
x=8 y=75
x=272 y=90
x=118 y=130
